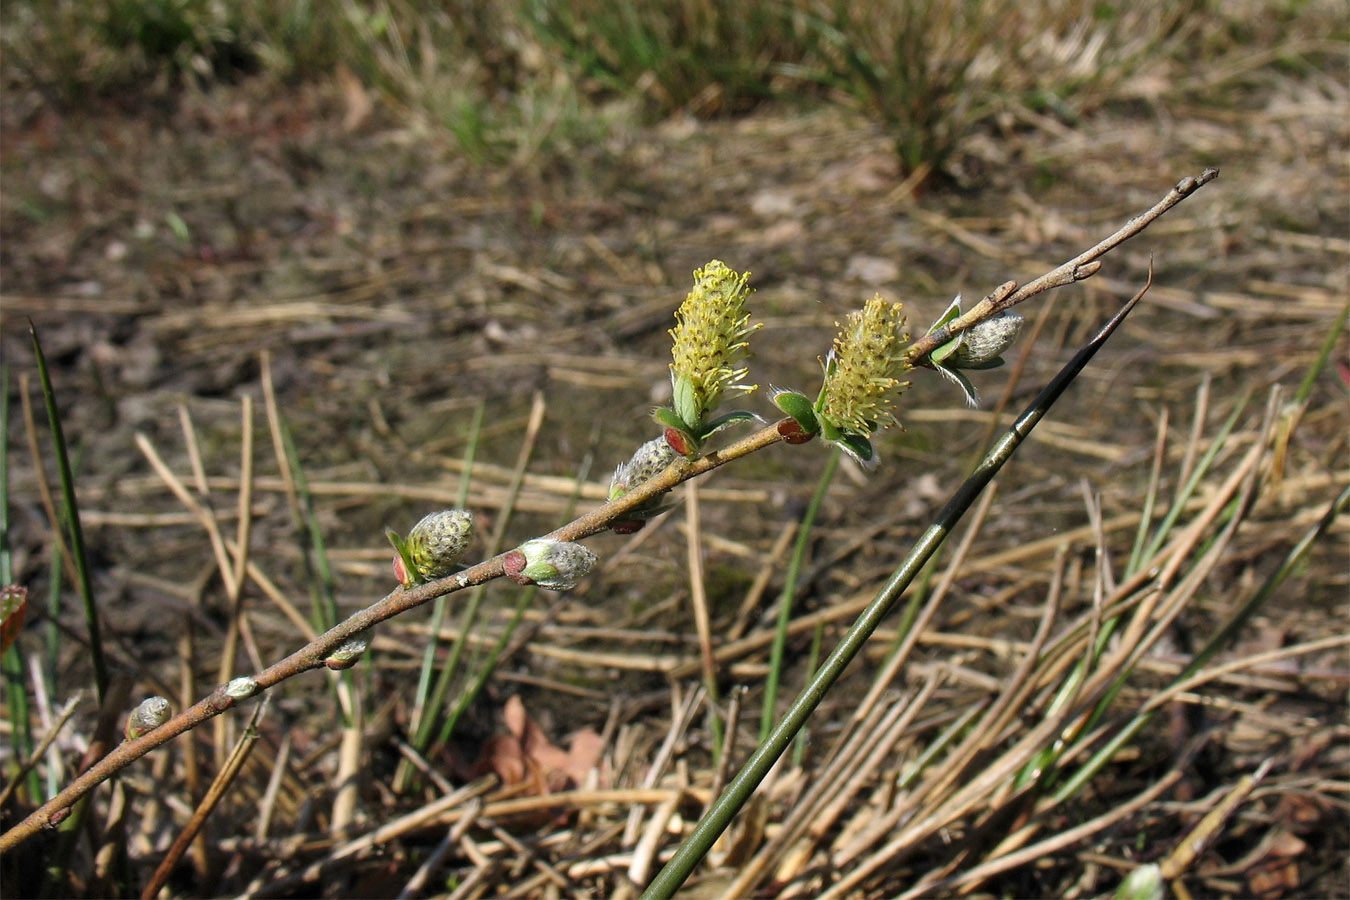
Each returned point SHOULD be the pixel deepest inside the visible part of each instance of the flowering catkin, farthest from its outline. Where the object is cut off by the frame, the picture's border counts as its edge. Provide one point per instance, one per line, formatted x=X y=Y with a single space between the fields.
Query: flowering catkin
x=862 y=375
x=711 y=340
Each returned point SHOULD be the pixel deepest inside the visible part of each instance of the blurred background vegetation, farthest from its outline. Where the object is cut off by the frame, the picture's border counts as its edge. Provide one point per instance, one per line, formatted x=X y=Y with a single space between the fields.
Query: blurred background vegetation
x=541 y=75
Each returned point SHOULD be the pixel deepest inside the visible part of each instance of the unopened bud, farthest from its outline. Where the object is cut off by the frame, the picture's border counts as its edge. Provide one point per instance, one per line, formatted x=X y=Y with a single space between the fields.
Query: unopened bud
x=241 y=688
x=13 y=606
x=152 y=713
x=348 y=653
x=435 y=545
x=1144 y=883
x=647 y=462
x=983 y=343
x=552 y=564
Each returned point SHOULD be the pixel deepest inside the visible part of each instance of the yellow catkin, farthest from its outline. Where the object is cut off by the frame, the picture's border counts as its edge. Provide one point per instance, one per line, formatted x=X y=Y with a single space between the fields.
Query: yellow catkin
x=711 y=340
x=862 y=380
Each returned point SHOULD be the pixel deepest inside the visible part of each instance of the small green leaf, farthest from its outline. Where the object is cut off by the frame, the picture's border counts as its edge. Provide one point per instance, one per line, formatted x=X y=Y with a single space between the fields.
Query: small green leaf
x=799 y=407
x=685 y=406
x=946 y=350
x=725 y=421
x=953 y=311
x=858 y=447
x=178 y=227
x=666 y=416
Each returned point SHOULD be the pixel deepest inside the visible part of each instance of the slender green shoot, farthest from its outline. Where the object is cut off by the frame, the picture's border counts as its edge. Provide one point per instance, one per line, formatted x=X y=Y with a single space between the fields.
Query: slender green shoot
x=322 y=591
x=1323 y=357
x=428 y=669
x=1221 y=639
x=11 y=666
x=1201 y=470
x=489 y=665
x=450 y=668
x=812 y=661
x=71 y=511
x=799 y=548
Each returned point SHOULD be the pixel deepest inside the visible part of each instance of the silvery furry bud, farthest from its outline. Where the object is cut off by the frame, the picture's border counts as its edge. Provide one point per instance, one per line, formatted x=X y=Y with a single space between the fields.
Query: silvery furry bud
x=241 y=688
x=152 y=713
x=437 y=542
x=348 y=653
x=549 y=563
x=647 y=462
x=983 y=343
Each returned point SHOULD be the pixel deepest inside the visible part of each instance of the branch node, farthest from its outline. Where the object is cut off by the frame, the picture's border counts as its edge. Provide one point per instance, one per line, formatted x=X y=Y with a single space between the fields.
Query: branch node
x=1087 y=270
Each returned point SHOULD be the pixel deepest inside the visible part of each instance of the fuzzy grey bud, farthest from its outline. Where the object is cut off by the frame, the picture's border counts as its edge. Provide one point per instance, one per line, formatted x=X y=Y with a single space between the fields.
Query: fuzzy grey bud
x=152 y=713
x=983 y=343
x=552 y=564
x=435 y=545
x=348 y=653
x=647 y=462
x=242 y=688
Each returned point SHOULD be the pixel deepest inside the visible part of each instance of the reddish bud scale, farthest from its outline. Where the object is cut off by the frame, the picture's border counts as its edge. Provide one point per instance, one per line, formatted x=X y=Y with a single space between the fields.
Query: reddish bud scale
x=515 y=563
x=792 y=432
x=627 y=526
x=679 y=441
x=13 y=607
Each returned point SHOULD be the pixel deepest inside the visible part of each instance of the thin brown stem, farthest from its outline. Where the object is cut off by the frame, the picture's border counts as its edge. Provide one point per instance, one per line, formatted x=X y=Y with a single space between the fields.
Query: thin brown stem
x=313 y=654
x=1081 y=267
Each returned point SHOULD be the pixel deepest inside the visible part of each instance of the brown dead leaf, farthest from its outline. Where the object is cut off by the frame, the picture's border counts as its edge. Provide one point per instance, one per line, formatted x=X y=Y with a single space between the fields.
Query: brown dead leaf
x=527 y=755
x=1273 y=870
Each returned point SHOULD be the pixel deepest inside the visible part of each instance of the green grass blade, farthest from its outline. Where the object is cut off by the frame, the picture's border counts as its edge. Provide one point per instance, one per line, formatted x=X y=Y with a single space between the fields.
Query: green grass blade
x=1150 y=501
x=438 y=697
x=812 y=661
x=1188 y=490
x=71 y=511
x=319 y=571
x=428 y=669
x=1323 y=357
x=789 y=592
x=489 y=664
x=11 y=666
x=6 y=557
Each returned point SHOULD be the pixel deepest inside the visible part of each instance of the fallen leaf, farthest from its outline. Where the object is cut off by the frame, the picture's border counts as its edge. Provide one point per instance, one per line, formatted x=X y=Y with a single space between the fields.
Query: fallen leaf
x=527 y=755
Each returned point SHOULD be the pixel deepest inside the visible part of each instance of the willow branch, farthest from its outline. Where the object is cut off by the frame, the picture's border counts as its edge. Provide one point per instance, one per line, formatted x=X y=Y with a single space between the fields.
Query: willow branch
x=400 y=600
x=1080 y=268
